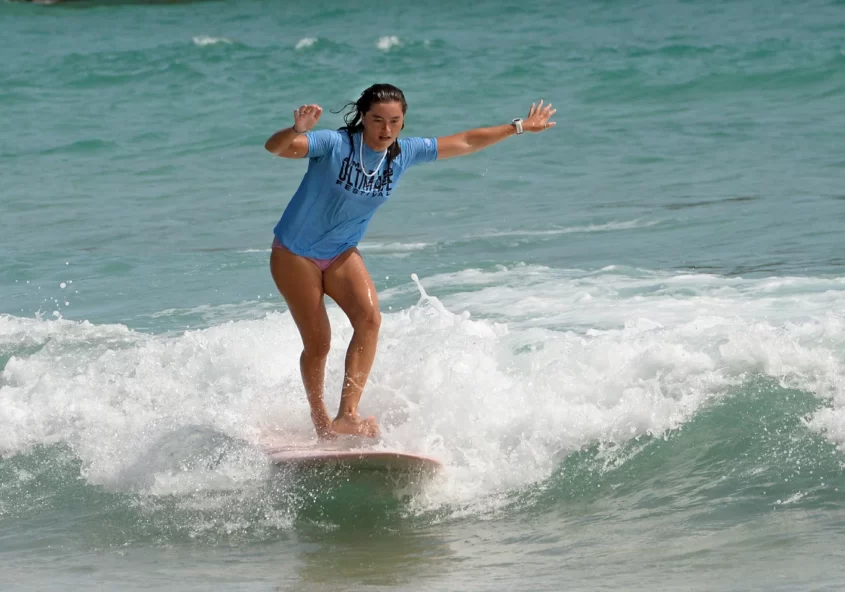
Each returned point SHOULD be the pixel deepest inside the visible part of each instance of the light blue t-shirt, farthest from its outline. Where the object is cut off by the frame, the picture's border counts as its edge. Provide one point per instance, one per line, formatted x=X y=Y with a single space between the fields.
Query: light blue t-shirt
x=330 y=211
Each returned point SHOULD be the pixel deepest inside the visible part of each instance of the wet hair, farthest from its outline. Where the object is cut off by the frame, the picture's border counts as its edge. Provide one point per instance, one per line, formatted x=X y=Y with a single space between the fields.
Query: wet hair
x=377 y=93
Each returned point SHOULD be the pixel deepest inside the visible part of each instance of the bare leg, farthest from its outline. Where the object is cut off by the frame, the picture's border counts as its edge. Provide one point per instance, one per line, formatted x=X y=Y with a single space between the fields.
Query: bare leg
x=349 y=284
x=301 y=284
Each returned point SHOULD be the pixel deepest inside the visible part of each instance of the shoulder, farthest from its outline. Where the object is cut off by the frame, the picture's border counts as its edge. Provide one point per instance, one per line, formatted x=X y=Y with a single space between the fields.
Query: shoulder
x=416 y=144
x=322 y=142
x=415 y=150
x=326 y=136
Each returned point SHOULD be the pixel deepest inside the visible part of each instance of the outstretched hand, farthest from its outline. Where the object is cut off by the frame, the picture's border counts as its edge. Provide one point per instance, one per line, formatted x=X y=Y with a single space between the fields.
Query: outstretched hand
x=538 y=118
x=306 y=117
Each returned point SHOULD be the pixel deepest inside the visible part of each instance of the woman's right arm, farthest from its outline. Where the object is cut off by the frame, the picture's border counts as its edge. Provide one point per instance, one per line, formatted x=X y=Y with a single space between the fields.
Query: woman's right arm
x=291 y=142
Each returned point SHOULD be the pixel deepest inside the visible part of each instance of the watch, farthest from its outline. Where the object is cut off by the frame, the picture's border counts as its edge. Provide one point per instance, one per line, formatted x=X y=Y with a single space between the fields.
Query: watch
x=517 y=123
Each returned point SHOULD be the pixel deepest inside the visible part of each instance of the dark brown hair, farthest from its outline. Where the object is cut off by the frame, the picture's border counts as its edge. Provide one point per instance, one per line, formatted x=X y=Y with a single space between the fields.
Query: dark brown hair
x=377 y=93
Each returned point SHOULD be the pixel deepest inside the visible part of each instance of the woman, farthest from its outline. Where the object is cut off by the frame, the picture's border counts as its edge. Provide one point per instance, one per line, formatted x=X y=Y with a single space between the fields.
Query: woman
x=351 y=172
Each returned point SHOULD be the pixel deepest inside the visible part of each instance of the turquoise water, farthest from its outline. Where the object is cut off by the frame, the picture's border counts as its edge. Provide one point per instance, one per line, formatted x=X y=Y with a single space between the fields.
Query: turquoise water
x=626 y=339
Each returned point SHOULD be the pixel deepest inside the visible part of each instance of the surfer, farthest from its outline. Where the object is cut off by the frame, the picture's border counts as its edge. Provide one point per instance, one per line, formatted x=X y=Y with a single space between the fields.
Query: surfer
x=351 y=172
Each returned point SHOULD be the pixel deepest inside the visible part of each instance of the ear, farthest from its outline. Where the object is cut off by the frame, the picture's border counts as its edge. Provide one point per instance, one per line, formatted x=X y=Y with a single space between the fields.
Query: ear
x=403 y=125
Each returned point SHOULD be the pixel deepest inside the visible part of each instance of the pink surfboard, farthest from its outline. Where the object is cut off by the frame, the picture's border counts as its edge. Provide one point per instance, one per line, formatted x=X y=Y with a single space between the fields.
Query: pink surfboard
x=342 y=454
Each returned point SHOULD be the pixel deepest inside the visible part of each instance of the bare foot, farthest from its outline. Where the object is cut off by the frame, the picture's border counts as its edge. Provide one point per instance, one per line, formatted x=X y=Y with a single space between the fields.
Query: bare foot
x=348 y=424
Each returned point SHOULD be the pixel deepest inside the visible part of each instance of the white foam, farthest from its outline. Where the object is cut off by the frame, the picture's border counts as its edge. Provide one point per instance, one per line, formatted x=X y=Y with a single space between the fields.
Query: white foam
x=589 y=228
x=400 y=248
x=388 y=42
x=306 y=42
x=203 y=40
x=511 y=371
x=791 y=499
x=531 y=295
x=207 y=314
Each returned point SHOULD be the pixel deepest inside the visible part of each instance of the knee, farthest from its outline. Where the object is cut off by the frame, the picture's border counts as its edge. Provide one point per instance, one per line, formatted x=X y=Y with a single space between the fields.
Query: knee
x=316 y=347
x=369 y=321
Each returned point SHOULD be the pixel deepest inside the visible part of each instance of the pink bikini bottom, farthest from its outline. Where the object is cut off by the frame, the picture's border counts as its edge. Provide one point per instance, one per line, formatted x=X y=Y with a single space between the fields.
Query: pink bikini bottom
x=322 y=264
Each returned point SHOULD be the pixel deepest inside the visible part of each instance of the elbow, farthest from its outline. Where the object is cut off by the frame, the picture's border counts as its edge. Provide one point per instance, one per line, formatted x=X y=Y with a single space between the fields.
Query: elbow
x=268 y=146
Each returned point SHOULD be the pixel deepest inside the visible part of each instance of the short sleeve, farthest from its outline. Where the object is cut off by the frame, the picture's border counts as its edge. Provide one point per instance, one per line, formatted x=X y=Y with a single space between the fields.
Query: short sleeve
x=321 y=142
x=417 y=150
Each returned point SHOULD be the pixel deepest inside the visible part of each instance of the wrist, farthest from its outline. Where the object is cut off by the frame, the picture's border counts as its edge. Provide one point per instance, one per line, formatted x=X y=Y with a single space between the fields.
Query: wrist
x=293 y=127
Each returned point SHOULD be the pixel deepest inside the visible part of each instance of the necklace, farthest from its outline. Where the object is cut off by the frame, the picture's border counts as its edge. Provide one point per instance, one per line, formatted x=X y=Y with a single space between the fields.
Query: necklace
x=361 y=160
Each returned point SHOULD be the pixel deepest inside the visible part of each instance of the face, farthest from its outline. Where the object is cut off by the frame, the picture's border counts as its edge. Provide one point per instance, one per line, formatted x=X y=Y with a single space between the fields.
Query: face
x=382 y=124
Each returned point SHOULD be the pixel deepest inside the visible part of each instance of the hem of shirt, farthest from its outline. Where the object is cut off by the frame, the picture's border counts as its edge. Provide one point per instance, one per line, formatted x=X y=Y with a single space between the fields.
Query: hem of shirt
x=313 y=255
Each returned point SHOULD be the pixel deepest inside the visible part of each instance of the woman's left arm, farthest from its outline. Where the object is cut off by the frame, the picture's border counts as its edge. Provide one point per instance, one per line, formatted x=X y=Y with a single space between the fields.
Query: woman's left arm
x=475 y=139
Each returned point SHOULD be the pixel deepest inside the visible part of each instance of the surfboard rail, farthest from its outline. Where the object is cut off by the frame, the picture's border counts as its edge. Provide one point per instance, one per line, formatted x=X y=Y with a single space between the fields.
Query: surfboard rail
x=361 y=460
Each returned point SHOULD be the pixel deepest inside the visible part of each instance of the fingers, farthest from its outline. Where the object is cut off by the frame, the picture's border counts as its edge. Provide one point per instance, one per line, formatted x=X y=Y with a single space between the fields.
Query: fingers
x=307 y=116
x=539 y=109
x=538 y=117
x=309 y=109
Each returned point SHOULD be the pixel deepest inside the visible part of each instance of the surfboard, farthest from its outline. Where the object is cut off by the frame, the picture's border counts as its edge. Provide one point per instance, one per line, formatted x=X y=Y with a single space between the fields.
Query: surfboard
x=348 y=454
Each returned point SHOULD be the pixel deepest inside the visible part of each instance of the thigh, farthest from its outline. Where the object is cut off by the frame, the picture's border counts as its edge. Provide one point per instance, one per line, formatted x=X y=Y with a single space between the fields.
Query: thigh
x=300 y=283
x=348 y=283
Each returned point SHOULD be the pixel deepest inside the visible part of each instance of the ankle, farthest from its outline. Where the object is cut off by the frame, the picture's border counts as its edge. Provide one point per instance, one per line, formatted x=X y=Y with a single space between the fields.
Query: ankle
x=347 y=414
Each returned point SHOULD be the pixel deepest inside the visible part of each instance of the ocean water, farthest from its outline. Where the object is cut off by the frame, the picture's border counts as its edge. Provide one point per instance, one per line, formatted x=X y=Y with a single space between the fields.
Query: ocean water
x=624 y=337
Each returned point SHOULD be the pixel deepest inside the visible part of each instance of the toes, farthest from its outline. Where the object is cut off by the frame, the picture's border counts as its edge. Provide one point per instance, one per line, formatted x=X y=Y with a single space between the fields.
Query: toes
x=372 y=427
